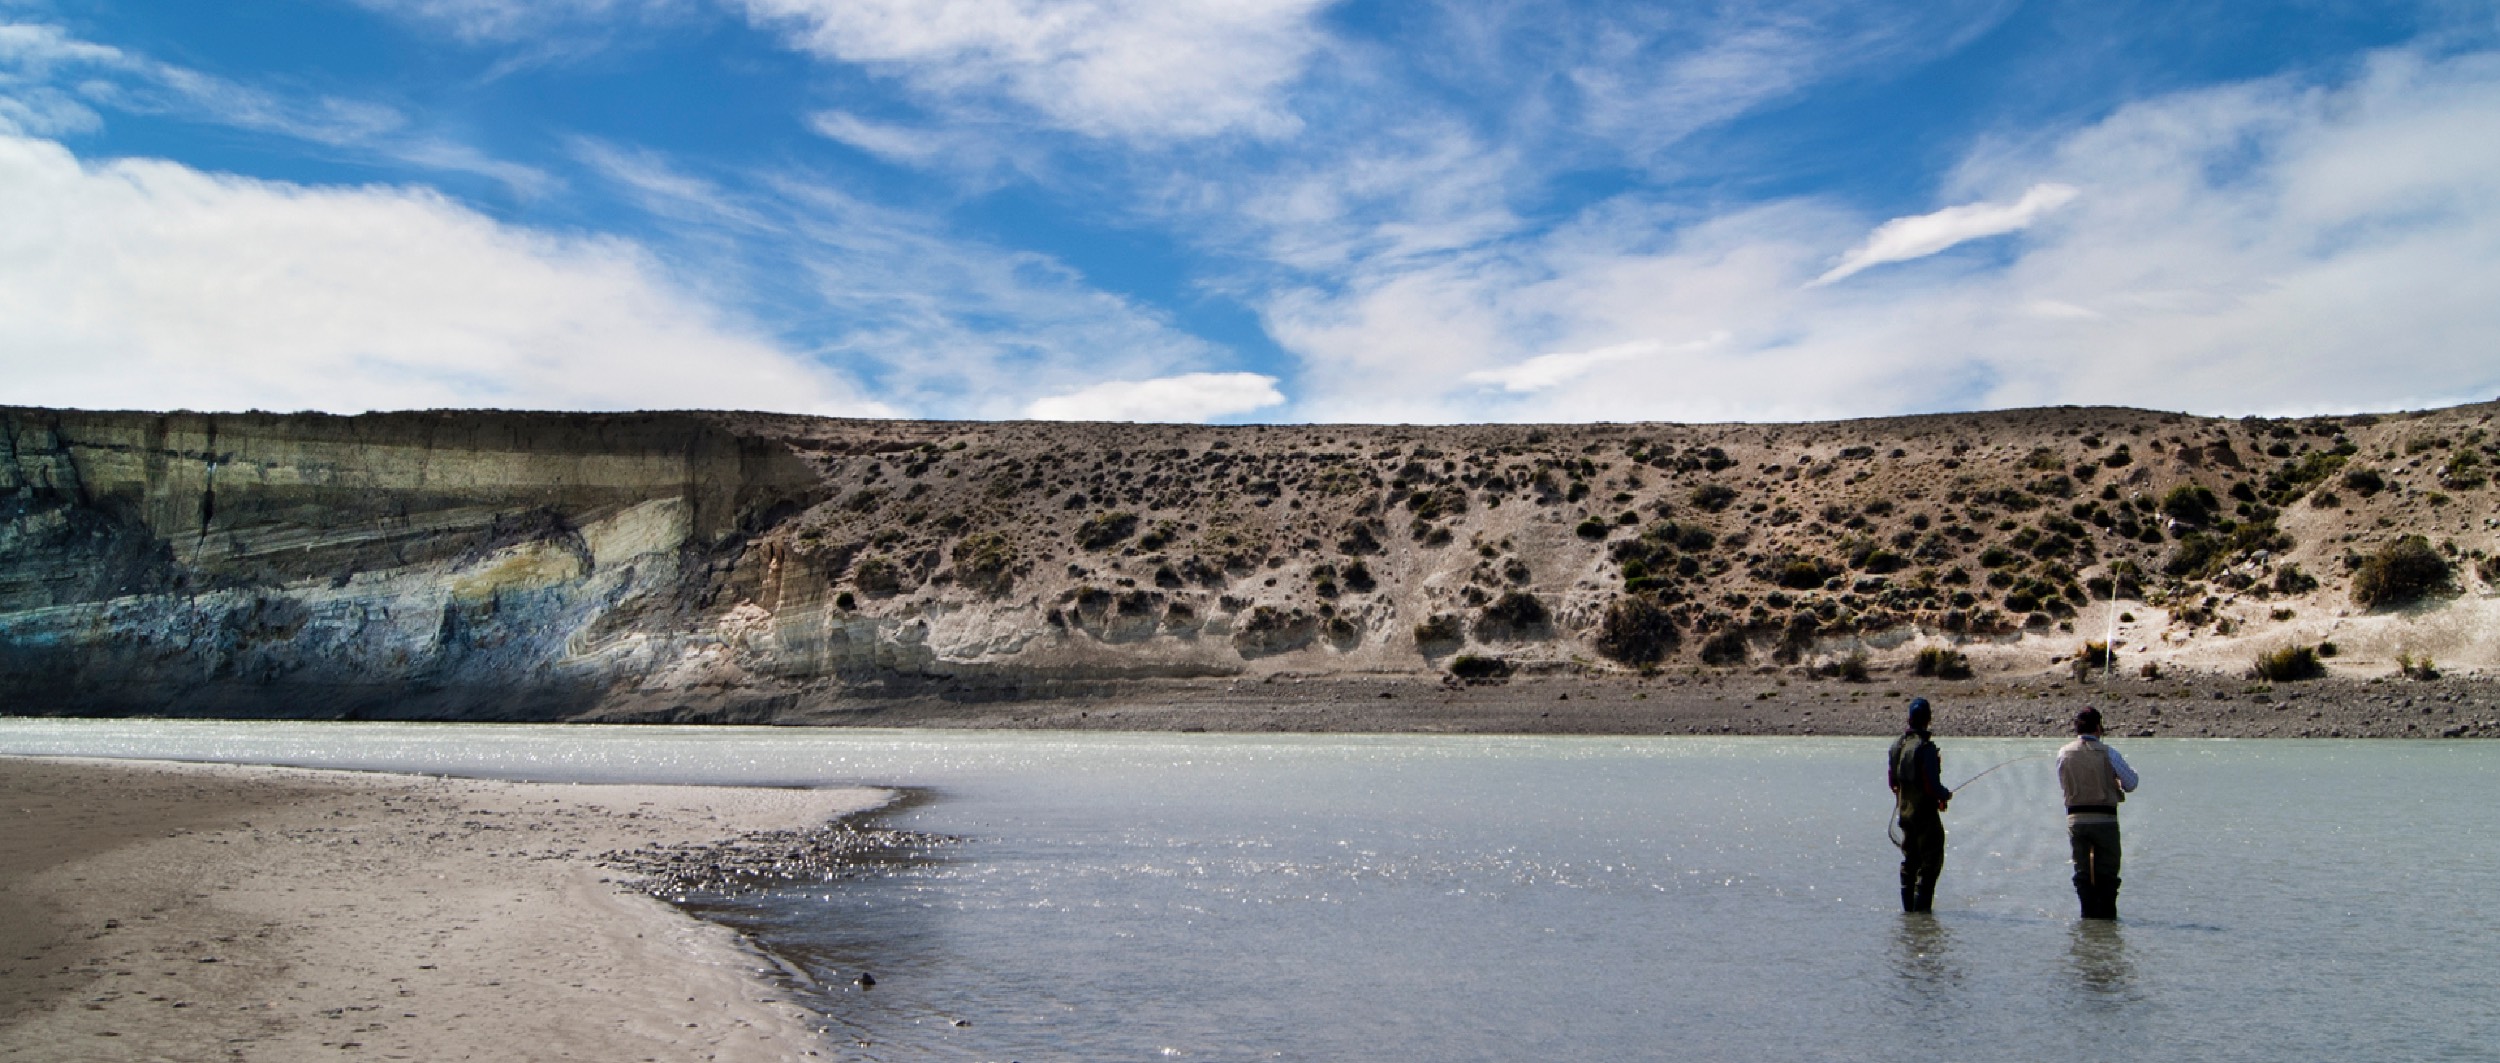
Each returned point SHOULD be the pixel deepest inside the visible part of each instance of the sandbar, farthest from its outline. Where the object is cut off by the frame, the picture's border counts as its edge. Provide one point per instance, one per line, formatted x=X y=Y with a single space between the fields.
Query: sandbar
x=221 y=912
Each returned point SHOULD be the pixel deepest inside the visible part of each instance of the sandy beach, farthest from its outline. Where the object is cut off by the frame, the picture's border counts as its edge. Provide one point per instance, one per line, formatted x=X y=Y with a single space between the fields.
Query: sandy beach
x=210 y=912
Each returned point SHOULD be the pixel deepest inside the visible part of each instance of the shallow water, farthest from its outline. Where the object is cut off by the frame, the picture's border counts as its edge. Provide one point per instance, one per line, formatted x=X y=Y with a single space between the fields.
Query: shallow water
x=1233 y=897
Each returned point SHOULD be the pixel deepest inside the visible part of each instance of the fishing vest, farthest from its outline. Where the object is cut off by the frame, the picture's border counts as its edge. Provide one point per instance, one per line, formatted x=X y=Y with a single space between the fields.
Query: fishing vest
x=2089 y=782
x=1913 y=798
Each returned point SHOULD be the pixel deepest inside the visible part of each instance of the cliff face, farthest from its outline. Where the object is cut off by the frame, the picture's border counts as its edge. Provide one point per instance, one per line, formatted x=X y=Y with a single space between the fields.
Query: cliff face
x=542 y=566
x=477 y=565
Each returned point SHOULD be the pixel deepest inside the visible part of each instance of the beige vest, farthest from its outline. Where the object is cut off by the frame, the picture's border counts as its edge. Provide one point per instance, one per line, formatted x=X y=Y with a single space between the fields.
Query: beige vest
x=2085 y=774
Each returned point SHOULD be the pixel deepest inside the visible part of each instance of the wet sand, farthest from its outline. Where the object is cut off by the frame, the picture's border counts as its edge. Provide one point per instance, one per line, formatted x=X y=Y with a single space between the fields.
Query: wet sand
x=212 y=912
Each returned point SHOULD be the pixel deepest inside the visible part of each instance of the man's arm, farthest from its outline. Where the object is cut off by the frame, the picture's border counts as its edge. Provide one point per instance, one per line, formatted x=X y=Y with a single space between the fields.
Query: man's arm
x=2126 y=775
x=1931 y=774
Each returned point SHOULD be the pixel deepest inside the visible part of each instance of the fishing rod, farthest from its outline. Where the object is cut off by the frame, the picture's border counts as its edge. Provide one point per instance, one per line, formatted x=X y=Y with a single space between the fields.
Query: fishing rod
x=1892 y=825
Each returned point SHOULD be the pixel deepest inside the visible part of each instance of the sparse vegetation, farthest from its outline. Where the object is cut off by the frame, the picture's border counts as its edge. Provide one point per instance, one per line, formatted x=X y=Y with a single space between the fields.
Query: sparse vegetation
x=1636 y=631
x=2288 y=664
x=1473 y=667
x=1515 y=616
x=877 y=577
x=2401 y=572
x=1727 y=647
x=1940 y=663
x=986 y=562
x=2416 y=668
x=1439 y=634
x=1103 y=531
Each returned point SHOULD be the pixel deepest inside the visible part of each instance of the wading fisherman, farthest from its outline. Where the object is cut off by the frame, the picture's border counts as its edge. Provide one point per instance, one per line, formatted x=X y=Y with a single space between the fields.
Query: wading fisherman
x=2095 y=779
x=1915 y=774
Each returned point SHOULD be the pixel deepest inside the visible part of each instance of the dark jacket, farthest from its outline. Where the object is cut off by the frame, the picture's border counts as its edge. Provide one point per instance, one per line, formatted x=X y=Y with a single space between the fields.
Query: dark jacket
x=1915 y=775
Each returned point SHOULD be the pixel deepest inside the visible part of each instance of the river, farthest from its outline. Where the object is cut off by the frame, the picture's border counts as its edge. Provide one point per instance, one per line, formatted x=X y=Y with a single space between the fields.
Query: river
x=1235 y=897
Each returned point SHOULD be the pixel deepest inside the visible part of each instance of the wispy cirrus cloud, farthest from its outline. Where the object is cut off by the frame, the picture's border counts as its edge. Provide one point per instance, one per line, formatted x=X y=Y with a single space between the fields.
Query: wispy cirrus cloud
x=1546 y=371
x=51 y=83
x=1919 y=236
x=939 y=323
x=507 y=20
x=1104 y=68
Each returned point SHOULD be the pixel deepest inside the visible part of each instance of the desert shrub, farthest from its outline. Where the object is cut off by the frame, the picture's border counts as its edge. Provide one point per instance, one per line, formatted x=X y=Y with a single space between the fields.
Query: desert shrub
x=2364 y=482
x=2489 y=569
x=1940 y=663
x=1803 y=573
x=1725 y=648
x=2403 y=571
x=1358 y=578
x=2094 y=654
x=1636 y=631
x=2190 y=504
x=2419 y=668
x=2291 y=580
x=1513 y=616
x=1439 y=633
x=2463 y=471
x=1592 y=528
x=2329 y=649
x=2288 y=664
x=1103 y=531
x=1713 y=497
x=986 y=562
x=1852 y=668
x=1471 y=666
x=845 y=602
x=1448 y=500
x=877 y=577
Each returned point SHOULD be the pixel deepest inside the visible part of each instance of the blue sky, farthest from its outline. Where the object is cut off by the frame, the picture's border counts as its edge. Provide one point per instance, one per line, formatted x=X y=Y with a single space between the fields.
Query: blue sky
x=1250 y=210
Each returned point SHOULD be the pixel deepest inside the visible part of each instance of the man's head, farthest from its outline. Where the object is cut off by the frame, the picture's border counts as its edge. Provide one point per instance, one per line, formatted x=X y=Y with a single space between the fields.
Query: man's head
x=1919 y=714
x=2088 y=722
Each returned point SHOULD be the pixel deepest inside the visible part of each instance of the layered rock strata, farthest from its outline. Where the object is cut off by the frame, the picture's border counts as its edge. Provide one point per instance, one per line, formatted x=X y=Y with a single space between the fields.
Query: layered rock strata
x=490 y=565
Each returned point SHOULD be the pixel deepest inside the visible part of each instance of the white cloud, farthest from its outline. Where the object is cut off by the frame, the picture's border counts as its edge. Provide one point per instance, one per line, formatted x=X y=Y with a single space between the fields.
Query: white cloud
x=147 y=284
x=893 y=143
x=1110 y=68
x=1553 y=370
x=1188 y=398
x=1919 y=236
x=2270 y=247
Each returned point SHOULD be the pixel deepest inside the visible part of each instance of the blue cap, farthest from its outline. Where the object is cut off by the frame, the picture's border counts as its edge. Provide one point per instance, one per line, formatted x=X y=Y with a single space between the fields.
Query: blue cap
x=1918 y=706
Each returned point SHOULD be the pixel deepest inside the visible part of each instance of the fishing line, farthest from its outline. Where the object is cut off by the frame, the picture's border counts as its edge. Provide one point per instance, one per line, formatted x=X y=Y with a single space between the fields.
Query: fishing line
x=1892 y=824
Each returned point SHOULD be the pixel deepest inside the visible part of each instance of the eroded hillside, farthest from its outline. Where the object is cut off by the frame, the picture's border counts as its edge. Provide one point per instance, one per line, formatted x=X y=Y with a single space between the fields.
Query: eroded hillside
x=503 y=565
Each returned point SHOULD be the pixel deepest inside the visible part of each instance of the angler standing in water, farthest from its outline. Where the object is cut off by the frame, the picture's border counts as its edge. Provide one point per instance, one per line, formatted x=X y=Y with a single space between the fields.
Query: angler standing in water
x=2095 y=779
x=1919 y=796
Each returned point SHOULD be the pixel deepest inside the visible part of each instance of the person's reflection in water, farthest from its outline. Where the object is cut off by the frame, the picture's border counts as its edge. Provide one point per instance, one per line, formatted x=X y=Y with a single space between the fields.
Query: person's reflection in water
x=2097 y=956
x=1923 y=959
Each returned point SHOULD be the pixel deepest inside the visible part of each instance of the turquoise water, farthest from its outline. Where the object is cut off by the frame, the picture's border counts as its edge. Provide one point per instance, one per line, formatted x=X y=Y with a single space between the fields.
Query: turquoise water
x=1227 y=897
